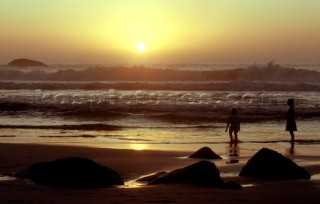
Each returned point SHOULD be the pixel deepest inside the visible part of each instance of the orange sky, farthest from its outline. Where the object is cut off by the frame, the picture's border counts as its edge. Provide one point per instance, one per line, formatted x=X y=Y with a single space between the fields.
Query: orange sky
x=173 y=31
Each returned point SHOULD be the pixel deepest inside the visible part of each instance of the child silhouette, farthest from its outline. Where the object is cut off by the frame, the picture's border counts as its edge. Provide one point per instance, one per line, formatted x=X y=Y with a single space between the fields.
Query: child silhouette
x=234 y=123
x=291 y=121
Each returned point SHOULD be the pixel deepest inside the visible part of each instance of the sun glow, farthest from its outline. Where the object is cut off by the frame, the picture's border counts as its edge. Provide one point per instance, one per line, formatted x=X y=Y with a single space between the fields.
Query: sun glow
x=141 y=47
x=138 y=146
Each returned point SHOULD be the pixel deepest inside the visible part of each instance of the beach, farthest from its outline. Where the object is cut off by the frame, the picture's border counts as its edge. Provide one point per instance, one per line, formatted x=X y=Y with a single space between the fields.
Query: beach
x=114 y=101
x=133 y=164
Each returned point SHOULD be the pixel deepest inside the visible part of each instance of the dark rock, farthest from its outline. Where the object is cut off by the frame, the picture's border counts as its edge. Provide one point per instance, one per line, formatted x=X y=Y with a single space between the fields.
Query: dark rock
x=231 y=185
x=71 y=172
x=25 y=63
x=205 y=153
x=202 y=173
x=269 y=164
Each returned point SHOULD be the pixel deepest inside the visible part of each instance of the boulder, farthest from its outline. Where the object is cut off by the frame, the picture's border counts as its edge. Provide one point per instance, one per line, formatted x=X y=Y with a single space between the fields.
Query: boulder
x=205 y=153
x=269 y=164
x=202 y=173
x=71 y=172
x=25 y=63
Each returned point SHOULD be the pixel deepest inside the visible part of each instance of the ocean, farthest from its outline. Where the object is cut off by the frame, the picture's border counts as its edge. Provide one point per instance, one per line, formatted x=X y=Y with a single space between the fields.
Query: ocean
x=163 y=107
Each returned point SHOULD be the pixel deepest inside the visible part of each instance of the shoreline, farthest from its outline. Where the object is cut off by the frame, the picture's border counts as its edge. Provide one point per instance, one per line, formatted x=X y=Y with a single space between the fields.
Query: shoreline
x=132 y=164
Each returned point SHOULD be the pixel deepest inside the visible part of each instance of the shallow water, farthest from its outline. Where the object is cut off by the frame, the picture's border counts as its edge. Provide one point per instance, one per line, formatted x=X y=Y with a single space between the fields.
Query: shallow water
x=141 y=133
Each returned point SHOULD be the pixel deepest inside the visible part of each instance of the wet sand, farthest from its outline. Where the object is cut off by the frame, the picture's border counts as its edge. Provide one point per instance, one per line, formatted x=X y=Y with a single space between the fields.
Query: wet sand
x=132 y=164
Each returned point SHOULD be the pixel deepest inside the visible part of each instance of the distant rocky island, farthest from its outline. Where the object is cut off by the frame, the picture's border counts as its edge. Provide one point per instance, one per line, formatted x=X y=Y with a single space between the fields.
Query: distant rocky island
x=25 y=63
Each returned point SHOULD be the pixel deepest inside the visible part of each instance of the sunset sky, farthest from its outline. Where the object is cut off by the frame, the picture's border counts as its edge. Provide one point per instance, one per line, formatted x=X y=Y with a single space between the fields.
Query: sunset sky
x=159 y=31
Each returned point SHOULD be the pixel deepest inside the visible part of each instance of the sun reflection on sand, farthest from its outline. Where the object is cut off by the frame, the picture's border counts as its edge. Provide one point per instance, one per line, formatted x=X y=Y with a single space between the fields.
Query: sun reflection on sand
x=7 y=178
x=315 y=177
x=132 y=184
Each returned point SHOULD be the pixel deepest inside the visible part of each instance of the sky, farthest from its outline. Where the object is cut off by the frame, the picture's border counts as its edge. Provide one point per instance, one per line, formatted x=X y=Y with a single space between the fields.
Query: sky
x=170 y=31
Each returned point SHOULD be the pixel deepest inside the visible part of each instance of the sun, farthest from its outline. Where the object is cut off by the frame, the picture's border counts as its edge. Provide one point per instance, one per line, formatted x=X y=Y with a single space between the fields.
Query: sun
x=141 y=47
x=138 y=146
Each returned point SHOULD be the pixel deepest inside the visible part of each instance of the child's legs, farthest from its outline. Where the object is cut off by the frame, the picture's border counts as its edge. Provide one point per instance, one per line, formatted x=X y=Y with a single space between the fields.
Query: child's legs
x=236 y=135
x=230 y=133
x=292 y=136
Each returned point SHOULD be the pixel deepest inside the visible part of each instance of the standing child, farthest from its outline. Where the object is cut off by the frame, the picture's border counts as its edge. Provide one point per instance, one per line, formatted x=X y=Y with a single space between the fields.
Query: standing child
x=291 y=120
x=234 y=124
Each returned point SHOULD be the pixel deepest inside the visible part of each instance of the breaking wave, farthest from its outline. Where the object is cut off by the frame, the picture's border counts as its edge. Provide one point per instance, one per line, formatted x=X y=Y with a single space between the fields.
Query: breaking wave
x=269 y=73
x=237 y=85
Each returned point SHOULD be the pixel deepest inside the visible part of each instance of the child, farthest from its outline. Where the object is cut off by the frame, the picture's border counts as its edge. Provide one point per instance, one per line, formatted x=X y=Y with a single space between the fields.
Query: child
x=234 y=123
x=291 y=121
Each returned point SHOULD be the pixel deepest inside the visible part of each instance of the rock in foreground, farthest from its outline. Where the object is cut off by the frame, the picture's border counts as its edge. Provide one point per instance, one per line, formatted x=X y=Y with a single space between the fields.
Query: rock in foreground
x=205 y=153
x=202 y=173
x=71 y=172
x=269 y=164
x=25 y=63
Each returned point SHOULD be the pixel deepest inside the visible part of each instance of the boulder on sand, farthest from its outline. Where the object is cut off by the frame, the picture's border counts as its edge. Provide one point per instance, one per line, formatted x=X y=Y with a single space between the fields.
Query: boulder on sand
x=202 y=173
x=205 y=153
x=25 y=63
x=71 y=172
x=269 y=164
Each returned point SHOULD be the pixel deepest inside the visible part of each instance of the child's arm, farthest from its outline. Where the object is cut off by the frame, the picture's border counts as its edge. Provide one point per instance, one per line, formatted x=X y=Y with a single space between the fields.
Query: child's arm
x=228 y=123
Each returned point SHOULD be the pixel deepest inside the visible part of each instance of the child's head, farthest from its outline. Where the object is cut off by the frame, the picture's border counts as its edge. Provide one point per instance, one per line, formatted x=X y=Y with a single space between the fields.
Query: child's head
x=290 y=102
x=233 y=111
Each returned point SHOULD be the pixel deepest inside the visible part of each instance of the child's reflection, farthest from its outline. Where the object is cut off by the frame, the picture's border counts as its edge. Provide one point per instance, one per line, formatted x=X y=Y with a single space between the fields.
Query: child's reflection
x=233 y=152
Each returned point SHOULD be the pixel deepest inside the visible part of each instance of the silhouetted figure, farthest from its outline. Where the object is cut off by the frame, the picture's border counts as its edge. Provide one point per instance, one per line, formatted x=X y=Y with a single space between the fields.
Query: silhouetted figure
x=234 y=124
x=291 y=121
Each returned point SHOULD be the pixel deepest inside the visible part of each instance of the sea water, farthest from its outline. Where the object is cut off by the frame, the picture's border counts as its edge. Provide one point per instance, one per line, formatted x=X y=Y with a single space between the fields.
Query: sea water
x=177 y=118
